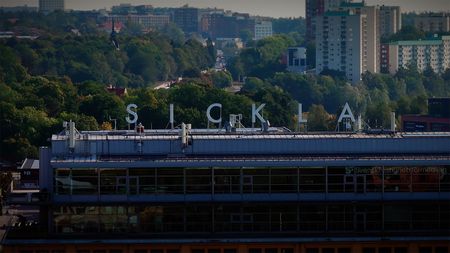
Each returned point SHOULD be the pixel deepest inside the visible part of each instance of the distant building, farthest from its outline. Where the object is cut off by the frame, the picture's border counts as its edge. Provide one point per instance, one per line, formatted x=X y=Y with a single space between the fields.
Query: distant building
x=433 y=22
x=147 y=21
x=342 y=43
x=263 y=29
x=228 y=25
x=124 y=9
x=24 y=8
x=47 y=6
x=370 y=30
x=434 y=53
x=437 y=120
x=117 y=90
x=316 y=8
x=187 y=19
x=29 y=174
x=296 y=59
x=390 y=20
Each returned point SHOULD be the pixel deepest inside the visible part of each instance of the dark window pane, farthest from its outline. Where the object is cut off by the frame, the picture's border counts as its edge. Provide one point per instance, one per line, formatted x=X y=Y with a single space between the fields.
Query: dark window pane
x=271 y=250
x=328 y=250
x=368 y=250
x=156 y=251
x=83 y=251
x=384 y=250
x=99 y=251
x=213 y=250
x=229 y=250
x=312 y=250
x=173 y=251
x=140 y=251
x=401 y=250
x=115 y=251
x=441 y=250
x=344 y=250
x=253 y=250
x=197 y=251
x=425 y=250
x=287 y=250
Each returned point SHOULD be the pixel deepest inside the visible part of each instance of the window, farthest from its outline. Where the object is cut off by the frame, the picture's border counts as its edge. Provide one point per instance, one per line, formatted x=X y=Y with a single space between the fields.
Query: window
x=441 y=250
x=254 y=250
x=425 y=250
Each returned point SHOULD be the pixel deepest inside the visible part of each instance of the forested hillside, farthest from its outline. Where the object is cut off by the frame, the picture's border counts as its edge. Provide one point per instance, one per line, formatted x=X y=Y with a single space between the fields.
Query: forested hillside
x=62 y=76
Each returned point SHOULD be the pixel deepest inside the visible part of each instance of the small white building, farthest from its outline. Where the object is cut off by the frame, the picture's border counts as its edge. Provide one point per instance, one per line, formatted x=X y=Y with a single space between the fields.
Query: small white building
x=296 y=59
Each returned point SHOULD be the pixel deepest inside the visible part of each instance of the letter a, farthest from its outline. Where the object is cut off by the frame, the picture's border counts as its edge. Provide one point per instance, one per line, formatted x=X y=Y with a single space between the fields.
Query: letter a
x=346 y=113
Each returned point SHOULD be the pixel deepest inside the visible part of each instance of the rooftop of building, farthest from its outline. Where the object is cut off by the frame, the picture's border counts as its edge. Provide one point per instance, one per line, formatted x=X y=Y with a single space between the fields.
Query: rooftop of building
x=338 y=13
x=353 y=4
x=428 y=42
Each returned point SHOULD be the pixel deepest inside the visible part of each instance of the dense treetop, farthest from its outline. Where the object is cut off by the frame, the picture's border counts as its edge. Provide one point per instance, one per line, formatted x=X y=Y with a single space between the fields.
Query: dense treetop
x=62 y=76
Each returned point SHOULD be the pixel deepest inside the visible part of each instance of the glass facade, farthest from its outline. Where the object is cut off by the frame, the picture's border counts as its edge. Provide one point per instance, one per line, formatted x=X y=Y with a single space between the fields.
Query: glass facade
x=142 y=181
x=332 y=218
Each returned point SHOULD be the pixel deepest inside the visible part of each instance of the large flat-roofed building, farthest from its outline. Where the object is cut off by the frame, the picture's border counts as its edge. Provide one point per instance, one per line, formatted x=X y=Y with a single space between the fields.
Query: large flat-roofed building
x=438 y=118
x=433 y=22
x=187 y=19
x=423 y=54
x=147 y=21
x=47 y=6
x=243 y=191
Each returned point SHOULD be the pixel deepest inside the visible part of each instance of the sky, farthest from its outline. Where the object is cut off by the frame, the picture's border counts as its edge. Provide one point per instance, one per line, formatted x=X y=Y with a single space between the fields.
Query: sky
x=272 y=8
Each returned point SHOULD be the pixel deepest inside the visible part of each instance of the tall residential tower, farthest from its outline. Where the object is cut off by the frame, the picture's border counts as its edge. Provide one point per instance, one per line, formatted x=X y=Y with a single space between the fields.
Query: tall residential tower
x=315 y=8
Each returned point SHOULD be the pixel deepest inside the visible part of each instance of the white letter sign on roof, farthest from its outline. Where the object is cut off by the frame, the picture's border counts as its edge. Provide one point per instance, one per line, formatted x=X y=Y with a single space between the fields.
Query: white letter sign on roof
x=346 y=114
x=130 y=112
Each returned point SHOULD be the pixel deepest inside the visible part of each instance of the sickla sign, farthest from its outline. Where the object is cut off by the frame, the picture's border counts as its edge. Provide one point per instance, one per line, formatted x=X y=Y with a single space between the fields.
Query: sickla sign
x=132 y=117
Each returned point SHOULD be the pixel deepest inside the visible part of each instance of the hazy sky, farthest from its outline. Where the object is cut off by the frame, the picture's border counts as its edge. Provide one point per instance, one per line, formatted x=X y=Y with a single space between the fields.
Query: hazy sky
x=274 y=8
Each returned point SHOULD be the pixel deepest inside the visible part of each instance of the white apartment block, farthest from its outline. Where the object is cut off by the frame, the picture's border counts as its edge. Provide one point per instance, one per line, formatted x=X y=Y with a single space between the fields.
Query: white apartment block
x=263 y=29
x=433 y=22
x=390 y=20
x=421 y=53
x=342 y=43
x=47 y=6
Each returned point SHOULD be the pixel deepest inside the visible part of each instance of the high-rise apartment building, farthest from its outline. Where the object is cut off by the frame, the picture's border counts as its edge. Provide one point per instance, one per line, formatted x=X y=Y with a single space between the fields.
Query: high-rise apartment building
x=433 y=22
x=423 y=54
x=390 y=20
x=47 y=6
x=316 y=8
x=348 y=40
x=187 y=19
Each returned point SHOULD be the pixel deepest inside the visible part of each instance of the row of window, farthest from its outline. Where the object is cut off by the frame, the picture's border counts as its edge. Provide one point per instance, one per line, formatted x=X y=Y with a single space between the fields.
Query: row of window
x=207 y=218
x=230 y=249
x=251 y=180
